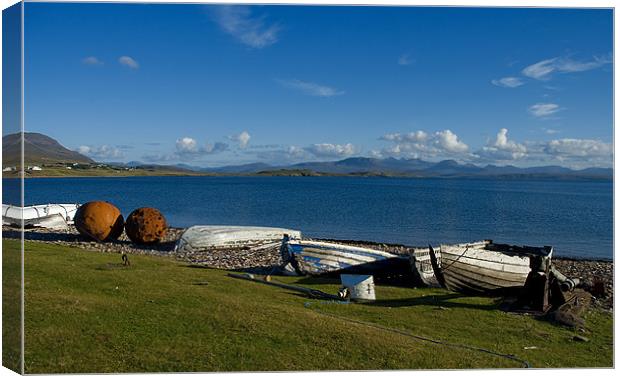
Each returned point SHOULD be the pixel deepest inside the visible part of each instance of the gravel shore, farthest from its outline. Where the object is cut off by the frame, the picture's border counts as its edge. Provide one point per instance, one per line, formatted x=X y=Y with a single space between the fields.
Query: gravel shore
x=266 y=260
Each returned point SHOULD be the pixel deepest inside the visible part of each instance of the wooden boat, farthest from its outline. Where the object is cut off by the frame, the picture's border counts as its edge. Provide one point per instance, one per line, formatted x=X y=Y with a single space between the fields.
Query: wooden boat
x=205 y=238
x=309 y=257
x=422 y=268
x=485 y=267
x=48 y=216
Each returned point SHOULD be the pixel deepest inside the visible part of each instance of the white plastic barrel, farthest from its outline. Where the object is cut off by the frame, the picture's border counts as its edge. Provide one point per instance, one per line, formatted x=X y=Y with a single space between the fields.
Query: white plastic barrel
x=361 y=287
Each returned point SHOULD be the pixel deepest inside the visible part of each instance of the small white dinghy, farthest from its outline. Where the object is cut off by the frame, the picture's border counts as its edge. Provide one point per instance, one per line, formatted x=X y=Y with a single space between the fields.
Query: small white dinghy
x=308 y=257
x=48 y=216
x=205 y=238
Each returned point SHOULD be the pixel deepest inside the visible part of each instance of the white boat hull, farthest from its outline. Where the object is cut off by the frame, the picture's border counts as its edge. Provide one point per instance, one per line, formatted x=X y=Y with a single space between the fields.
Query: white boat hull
x=205 y=238
x=484 y=267
x=319 y=258
x=422 y=267
x=47 y=216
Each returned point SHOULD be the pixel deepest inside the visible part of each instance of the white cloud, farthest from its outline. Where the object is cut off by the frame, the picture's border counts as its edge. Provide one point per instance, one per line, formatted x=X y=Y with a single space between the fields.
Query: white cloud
x=420 y=144
x=417 y=136
x=92 y=60
x=214 y=148
x=579 y=148
x=376 y=154
x=450 y=142
x=502 y=148
x=543 y=109
x=242 y=139
x=311 y=88
x=405 y=60
x=239 y=22
x=186 y=145
x=157 y=158
x=83 y=149
x=332 y=150
x=566 y=65
x=540 y=70
x=543 y=70
x=574 y=153
x=571 y=152
x=510 y=82
x=283 y=154
x=101 y=152
x=128 y=62
x=187 y=148
x=296 y=152
x=502 y=142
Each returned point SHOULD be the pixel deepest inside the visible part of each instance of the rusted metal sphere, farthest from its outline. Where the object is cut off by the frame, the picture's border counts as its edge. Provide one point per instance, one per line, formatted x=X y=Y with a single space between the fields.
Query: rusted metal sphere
x=99 y=220
x=146 y=225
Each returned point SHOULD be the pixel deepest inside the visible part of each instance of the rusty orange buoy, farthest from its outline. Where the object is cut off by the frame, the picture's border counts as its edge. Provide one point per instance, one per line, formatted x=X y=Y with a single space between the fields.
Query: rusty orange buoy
x=146 y=225
x=99 y=220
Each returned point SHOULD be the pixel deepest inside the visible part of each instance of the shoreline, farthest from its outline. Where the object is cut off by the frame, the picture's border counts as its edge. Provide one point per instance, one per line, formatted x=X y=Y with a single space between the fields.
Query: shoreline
x=77 y=239
x=328 y=175
x=265 y=261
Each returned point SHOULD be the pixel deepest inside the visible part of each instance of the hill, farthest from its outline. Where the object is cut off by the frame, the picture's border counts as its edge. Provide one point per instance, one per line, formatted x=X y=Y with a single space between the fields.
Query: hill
x=38 y=149
x=414 y=168
x=44 y=150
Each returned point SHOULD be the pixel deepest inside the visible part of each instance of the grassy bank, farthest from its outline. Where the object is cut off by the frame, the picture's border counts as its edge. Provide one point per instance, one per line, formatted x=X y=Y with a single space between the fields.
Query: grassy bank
x=84 y=313
x=11 y=306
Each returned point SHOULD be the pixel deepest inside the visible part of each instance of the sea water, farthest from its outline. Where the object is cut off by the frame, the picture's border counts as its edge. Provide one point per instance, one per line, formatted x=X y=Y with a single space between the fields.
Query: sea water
x=576 y=217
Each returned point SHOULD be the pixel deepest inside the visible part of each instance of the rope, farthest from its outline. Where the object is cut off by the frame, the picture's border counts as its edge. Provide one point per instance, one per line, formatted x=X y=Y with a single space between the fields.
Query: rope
x=467 y=248
x=308 y=305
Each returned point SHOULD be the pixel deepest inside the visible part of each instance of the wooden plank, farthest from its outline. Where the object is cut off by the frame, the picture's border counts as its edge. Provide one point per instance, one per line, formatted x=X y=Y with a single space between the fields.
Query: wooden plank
x=342 y=248
x=423 y=268
x=485 y=281
x=331 y=255
x=484 y=255
x=495 y=278
x=455 y=284
x=449 y=259
x=481 y=268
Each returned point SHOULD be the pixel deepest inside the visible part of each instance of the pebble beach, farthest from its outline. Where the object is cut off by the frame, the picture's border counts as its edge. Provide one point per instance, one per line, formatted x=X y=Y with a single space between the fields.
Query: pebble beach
x=266 y=260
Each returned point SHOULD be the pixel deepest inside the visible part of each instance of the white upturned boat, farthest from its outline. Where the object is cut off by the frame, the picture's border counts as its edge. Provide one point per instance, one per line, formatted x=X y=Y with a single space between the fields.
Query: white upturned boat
x=317 y=258
x=48 y=216
x=484 y=267
x=204 y=238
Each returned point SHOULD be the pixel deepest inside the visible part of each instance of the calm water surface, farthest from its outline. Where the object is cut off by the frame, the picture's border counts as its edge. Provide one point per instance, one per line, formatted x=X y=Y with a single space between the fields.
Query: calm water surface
x=576 y=217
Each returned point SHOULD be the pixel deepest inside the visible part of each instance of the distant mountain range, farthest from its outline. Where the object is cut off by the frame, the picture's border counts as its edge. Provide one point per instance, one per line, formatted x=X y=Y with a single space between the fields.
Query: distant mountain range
x=41 y=149
x=38 y=149
x=393 y=167
x=408 y=167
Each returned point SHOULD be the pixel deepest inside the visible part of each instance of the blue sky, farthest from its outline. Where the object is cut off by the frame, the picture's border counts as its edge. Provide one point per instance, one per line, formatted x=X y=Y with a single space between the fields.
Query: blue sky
x=219 y=85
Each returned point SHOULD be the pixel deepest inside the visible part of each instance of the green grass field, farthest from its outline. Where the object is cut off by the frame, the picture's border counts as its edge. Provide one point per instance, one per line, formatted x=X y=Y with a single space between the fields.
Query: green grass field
x=85 y=313
x=11 y=306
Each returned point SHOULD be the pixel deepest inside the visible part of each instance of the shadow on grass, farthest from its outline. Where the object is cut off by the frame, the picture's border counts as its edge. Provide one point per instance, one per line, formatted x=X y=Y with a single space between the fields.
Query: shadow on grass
x=44 y=236
x=167 y=246
x=445 y=301
x=394 y=281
